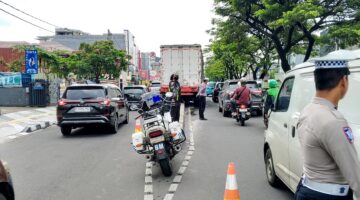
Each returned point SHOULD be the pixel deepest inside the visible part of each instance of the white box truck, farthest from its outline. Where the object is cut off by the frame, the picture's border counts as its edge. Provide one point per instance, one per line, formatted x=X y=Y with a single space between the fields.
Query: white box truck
x=185 y=61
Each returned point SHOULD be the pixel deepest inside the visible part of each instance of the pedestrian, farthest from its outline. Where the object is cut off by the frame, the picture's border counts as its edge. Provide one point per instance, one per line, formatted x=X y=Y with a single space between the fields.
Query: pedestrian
x=175 y=88
x=202 y=98
x=331 y=166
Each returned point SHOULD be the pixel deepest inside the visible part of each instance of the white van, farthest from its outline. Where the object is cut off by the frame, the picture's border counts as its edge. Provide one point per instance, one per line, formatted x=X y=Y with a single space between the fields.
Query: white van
x=283 y=159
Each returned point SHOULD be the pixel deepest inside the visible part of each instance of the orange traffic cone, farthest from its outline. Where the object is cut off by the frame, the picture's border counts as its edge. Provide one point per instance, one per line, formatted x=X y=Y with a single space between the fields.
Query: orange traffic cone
x=231 y=189
x=138 y=127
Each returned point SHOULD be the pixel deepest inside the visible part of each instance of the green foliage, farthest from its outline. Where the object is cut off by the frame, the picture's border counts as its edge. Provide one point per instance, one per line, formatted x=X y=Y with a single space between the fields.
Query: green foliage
x=16 y=66
x=290 y=25
x=94 y=60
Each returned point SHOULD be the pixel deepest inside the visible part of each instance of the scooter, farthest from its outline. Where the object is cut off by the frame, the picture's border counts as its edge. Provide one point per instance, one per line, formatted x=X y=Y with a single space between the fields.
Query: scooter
x=242 y=114
x=160 y=139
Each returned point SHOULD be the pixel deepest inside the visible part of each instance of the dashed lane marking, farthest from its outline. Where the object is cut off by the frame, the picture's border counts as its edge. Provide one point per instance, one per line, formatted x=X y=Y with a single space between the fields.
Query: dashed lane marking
x=177 y=179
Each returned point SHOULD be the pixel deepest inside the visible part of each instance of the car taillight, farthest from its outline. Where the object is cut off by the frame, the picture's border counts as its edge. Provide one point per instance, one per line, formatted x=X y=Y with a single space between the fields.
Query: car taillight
x=242 y=106
x=61 y=103
x=106 y=102
x=155 y=134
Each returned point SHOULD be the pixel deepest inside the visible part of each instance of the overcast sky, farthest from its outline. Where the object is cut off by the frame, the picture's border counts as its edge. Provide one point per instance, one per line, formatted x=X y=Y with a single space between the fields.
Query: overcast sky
x=153 y=22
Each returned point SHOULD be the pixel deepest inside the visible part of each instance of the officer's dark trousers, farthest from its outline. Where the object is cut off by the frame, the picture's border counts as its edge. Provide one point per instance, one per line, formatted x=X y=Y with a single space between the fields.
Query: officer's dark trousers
x=202 y=105
x=175 y=112
x=304 y=193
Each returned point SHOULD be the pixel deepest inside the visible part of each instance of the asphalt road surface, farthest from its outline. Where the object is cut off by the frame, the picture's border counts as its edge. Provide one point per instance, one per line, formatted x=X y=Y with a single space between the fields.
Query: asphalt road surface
x=94 y=164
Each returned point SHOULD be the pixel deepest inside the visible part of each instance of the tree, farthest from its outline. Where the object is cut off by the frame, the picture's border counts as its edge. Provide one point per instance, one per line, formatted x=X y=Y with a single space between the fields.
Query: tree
x=16 y=65
x=289 y=24
x=239 y=51
x=98 y=59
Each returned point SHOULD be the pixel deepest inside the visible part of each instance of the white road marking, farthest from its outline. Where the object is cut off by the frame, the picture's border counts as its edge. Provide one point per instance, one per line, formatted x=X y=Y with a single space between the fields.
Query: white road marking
x=168 y=196
x=148 y=189
x=173 y=188
x=148 y=179
x=177 y=179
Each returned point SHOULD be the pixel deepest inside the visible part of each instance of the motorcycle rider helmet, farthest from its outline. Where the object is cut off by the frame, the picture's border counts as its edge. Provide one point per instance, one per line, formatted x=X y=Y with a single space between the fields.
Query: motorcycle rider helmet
x=242 y=81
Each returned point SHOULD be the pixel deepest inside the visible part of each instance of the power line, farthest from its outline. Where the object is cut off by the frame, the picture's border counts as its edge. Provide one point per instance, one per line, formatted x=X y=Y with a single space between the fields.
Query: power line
x=28 y=14
x=26 y=21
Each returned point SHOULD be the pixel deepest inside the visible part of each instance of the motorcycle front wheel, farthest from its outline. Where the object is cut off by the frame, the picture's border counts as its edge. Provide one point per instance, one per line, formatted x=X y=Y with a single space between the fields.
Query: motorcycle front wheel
x=165 y=166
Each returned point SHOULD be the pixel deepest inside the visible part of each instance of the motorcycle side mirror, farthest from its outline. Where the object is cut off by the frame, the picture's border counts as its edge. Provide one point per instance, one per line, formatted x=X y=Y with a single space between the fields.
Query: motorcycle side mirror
x=169 y=94
x=140 y=111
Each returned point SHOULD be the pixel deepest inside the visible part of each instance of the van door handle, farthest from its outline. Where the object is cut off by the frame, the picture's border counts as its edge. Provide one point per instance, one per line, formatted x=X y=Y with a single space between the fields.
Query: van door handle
x=293 y=131
x=285 y=125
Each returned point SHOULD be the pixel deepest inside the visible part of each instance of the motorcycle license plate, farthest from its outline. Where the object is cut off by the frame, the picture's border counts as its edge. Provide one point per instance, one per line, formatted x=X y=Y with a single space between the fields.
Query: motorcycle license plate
x=157 y=139
x=243 y=110
x=159 y=146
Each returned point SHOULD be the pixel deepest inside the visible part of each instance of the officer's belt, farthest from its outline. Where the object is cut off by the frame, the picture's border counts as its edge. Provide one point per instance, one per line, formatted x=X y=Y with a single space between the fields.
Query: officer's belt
x=326 y=188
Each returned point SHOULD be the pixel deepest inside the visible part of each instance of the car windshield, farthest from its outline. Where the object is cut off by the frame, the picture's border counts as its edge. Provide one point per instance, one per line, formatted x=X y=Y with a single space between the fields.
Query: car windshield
x=210 y=84
x=84 y=93
x=233 y=85
x=252 y=86
x=155 y=84
x=134 y=90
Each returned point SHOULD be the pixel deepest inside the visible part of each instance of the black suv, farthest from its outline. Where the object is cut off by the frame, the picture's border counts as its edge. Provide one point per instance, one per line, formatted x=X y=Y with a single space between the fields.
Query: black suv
x=134 y=94
x=85 y=105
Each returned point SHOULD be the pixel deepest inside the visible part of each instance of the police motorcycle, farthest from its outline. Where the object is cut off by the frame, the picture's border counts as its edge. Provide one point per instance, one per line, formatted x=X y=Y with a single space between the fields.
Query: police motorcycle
x=6 y=184
x=242 y=114
x=160 y=138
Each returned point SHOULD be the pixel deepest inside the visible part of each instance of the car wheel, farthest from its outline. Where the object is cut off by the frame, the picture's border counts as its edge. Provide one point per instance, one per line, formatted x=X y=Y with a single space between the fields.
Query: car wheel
x=224 y=113
x=66 y=130
x=115 y=127
x=126 y=121
x=270 y=171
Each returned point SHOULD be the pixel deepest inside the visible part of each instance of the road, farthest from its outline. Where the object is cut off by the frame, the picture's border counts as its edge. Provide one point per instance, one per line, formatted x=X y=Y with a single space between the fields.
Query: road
x=94 y=164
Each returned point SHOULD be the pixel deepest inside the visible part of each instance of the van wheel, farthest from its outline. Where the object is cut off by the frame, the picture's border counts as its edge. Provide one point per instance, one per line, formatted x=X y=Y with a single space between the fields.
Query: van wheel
x=65 y=130
x=270 y=171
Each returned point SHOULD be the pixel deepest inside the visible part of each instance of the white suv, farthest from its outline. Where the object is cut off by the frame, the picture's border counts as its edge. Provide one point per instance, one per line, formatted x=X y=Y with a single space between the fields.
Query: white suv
x=283 y=159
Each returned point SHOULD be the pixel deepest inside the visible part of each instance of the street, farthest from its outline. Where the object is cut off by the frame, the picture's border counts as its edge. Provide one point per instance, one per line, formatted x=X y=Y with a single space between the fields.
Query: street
x=94 y=164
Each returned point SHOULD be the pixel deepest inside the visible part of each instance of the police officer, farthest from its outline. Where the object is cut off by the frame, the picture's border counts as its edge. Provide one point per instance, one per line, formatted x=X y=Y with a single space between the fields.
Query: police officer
x=331 y=166
x=175 y=88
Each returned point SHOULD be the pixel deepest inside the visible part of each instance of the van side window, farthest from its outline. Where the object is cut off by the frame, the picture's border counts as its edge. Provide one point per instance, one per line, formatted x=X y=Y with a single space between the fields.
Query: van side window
x=283 y=100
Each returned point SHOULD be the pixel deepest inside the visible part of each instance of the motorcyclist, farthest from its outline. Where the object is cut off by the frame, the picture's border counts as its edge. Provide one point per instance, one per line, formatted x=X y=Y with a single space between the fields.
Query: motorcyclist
x=241 y=96
x=272 y=92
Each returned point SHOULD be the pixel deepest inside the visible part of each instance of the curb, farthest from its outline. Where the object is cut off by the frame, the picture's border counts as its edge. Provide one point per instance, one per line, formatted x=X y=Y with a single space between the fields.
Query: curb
x=182 y=115
x=37 y=126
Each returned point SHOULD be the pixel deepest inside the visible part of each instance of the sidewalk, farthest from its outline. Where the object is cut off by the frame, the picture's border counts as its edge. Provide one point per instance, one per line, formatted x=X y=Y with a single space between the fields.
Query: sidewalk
x=24 y=120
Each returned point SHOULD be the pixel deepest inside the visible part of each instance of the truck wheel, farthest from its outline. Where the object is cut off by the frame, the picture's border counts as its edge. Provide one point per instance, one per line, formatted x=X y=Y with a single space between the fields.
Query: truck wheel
x=165 y=167
x=66 y=130
x=270 y=171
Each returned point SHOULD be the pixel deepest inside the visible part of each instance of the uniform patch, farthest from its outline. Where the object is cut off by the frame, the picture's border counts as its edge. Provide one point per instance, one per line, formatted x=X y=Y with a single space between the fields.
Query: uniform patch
x=349 y=135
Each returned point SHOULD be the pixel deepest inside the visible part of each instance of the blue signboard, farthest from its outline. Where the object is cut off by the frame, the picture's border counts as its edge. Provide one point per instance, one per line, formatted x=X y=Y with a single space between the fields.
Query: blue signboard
x=31 y=61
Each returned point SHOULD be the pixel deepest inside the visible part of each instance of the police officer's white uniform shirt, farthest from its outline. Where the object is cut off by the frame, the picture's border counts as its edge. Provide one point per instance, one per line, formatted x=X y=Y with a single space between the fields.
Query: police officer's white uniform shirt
x=328 y=146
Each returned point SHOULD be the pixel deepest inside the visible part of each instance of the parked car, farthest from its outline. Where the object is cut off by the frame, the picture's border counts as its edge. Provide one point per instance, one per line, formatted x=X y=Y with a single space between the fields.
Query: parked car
x=256 y=97
x=6 y=184
x=85 y=105
x=224 y=96
x=282 y=153
x=217 y=89
x=155 y=86
x=133 y=95
x=210 y=88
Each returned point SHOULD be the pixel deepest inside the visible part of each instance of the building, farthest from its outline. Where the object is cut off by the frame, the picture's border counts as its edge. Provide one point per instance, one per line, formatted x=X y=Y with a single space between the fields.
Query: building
x=70 y=40
x=8 y=54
